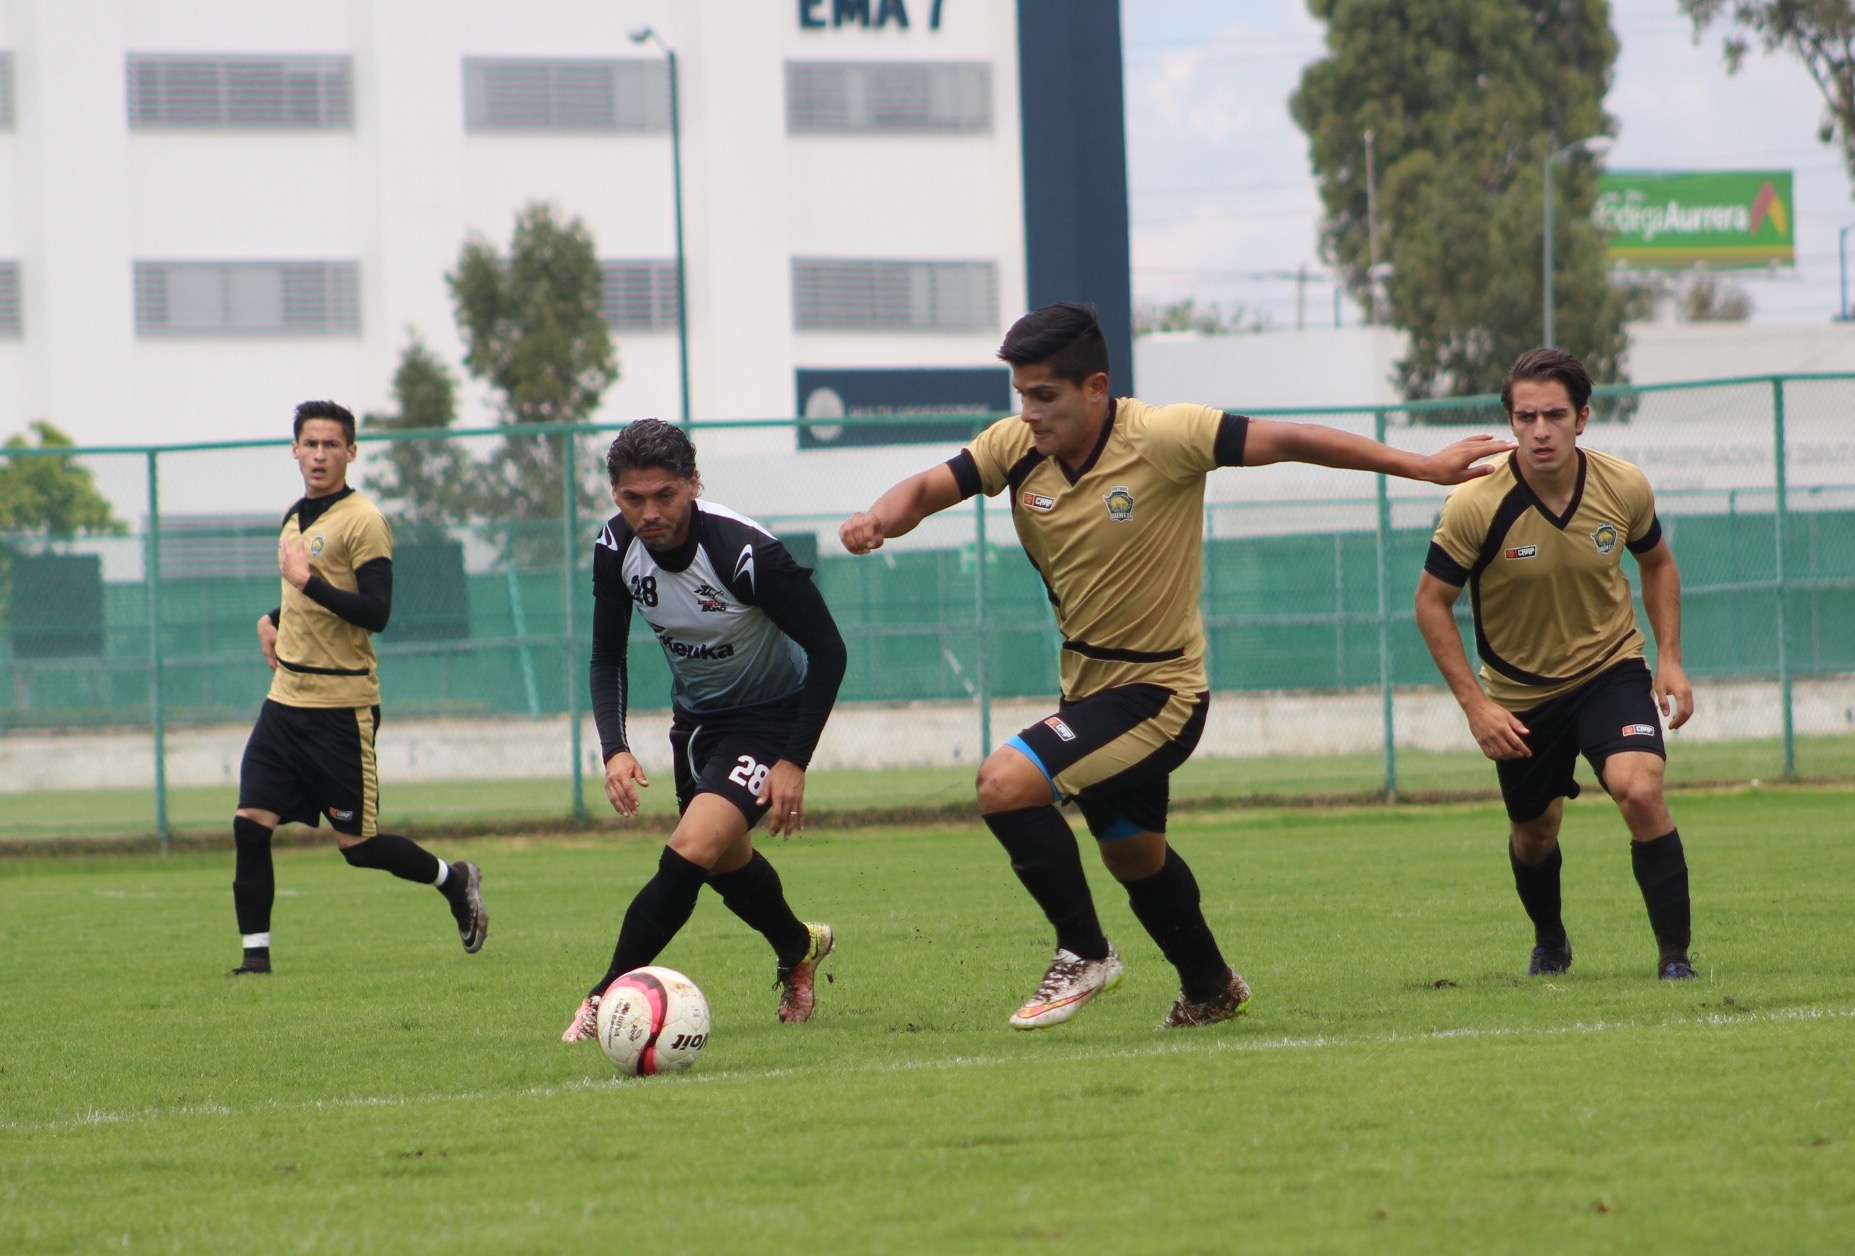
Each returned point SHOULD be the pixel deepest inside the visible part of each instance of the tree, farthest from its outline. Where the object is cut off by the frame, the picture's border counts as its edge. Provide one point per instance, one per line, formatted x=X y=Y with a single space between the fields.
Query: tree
x=535 y=333
x=1212 y=320
x=47 y=498
x=423 y=483
x=51 y=497
x=1820 y=33
x=1465 y=100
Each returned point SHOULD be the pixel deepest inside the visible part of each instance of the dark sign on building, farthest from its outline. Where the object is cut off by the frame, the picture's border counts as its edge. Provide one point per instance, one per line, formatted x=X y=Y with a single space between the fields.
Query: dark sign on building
x=899 y=406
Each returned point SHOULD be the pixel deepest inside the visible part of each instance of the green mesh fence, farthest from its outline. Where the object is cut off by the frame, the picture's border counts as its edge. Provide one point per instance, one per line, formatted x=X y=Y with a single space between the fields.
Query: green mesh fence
x=129 y=670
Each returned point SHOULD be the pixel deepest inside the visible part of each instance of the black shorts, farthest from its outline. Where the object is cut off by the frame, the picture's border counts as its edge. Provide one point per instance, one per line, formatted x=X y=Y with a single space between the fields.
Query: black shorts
x=1613 y=712
x=729 y=755
x=1114 y=753
x=307 y=762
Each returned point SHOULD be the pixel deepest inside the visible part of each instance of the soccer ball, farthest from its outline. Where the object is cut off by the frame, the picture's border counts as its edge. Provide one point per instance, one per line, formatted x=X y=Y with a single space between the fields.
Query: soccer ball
x=652 y=1020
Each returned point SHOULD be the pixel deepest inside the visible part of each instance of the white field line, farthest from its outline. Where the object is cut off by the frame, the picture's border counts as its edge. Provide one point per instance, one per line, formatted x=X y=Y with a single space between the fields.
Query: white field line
x=1175 y=1046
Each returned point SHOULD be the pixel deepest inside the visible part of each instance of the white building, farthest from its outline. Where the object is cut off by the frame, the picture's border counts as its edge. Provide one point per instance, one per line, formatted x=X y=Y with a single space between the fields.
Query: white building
x=212 y=209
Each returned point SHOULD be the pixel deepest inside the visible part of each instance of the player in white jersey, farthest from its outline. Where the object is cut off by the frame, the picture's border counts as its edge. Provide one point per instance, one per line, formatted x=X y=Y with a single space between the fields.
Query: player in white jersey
x=755 y=660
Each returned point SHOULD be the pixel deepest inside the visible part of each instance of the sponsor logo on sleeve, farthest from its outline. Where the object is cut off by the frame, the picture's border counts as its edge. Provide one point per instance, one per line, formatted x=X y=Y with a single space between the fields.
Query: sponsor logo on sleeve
x=1055 y=724
x=744 y=565
x=1639 y=730
x=1521 y=551
x=1037 y=501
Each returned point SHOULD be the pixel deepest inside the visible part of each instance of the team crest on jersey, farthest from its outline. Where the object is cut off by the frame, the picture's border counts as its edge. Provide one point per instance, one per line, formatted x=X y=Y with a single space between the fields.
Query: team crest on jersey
x=1062 y=730
x=1605 y=538
x=1521 y=551
x=1037 y=501
x=1120 y=502
x=315 y=546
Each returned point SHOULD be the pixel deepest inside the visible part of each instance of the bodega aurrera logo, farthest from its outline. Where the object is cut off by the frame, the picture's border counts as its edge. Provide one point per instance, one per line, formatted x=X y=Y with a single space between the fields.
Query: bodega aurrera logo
x=1120 y=503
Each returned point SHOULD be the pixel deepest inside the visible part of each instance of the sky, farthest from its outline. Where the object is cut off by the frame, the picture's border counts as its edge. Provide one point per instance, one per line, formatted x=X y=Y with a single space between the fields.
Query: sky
x=1223 y=202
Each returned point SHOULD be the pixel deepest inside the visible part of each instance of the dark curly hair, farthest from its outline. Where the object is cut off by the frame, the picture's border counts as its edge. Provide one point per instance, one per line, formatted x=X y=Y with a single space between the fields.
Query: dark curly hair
x=651 y=443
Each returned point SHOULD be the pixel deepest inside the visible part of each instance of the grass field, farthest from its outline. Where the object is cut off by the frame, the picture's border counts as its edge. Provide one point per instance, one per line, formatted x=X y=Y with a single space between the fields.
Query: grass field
x=1397 y=1086
x=66 y=814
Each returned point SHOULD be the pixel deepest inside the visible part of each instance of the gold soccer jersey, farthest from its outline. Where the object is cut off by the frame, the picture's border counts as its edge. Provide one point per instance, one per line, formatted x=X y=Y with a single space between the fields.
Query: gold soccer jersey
x=1119 y=545
x=1551 y=603
x=322 y=659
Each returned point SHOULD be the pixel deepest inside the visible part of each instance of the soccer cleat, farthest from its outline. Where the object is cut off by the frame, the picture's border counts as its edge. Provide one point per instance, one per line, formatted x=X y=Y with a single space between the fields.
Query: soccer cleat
x=1232 y=1000
x=473 y=923
x=1676 y=970
x=254 y=964
x=796 y=995
x=585 y=1022
x=1070 y=982
x=1549 y=961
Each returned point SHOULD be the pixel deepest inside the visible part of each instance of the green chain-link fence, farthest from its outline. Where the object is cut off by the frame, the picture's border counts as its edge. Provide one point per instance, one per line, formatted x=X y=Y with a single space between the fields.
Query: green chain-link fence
x=129 y=670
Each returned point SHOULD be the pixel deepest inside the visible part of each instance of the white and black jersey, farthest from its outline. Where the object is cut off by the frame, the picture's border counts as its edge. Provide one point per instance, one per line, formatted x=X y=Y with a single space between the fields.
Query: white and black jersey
x=741 y=623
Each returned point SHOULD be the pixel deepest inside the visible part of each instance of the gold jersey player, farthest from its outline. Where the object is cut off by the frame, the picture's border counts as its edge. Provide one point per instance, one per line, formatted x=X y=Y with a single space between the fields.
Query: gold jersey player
x=1540 y=544
x=1107 y=496
x=311 y=753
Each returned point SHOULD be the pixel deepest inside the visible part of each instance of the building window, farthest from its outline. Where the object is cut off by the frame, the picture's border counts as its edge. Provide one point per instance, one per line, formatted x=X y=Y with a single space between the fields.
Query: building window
x=247 y=298
x=6 y=91
x=259 y=93
x=848 y=97
x=638 y=295
x=9 y=300
x=579 y=94
x=833 y=295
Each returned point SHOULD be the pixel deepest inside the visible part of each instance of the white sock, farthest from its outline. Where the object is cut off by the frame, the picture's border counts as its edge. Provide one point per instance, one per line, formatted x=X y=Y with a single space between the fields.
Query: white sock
x=253 y=940
x=444 y=874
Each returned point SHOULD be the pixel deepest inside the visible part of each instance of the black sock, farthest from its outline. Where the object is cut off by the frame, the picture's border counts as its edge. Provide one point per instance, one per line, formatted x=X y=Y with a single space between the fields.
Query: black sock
x=1538 y=884
x=1044 y=855
x=390 y=852
x=661 y=908
x=1661 y=868
x=753 y=893
x=1167 y=904
x=254 y=885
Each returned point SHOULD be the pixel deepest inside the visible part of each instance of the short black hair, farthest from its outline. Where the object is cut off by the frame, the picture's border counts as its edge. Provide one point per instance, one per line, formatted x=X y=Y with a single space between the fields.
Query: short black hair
x=651 y=443
x=1066 y=337
x=1548 y=364
x=323 y=410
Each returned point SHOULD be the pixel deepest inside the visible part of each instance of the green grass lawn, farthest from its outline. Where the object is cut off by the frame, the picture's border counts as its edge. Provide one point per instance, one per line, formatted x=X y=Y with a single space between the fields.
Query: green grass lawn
x=1397 y=1085
x=69 y=814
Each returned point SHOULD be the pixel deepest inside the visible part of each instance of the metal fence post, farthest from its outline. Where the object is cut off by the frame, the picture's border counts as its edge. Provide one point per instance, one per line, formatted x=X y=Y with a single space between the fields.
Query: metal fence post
x=1782 y=519
x=1383 y=539
x=979 y=616
x=570 y=530
x=157 y=708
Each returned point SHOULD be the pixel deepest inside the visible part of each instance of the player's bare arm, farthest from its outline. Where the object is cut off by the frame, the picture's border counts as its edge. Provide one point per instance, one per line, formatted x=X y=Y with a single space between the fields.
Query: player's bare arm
x=1661 y=602
x=900 y=510
x=1272 y=440
x=624 y=777
x=267 y=640
x=784 y=793
x=1498 y=732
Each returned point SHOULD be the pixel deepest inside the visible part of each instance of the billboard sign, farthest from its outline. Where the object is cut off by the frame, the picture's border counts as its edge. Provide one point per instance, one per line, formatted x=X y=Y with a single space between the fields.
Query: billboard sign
x=1717 y=218
x=908 y=405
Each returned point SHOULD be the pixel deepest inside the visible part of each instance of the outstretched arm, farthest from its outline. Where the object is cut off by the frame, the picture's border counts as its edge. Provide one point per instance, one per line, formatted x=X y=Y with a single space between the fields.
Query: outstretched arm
x=1272 y=440
x=898 y=511
x=1661 y=602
